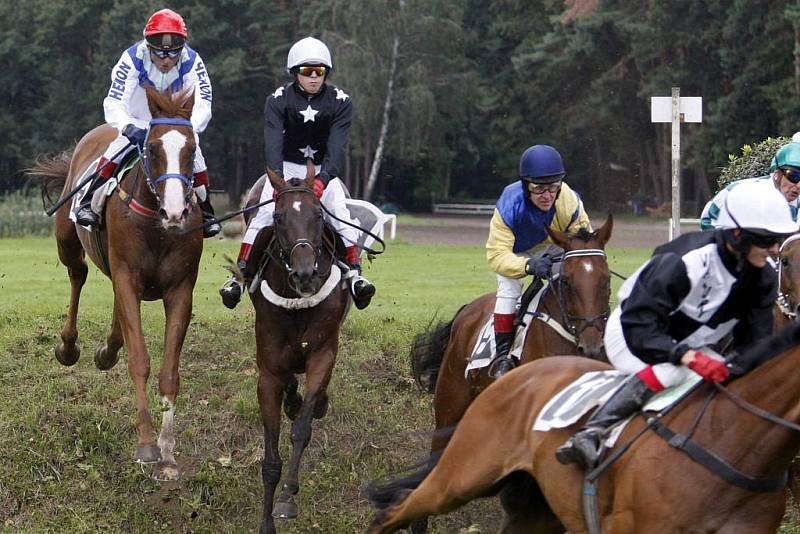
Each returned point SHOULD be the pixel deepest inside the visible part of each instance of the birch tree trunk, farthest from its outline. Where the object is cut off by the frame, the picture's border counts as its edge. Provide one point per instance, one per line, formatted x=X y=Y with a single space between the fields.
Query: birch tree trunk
x=387 y=106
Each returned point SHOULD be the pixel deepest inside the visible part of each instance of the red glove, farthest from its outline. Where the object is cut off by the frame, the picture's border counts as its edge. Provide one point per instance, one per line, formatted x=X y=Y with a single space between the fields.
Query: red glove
x=711 y=369
x=319 y=187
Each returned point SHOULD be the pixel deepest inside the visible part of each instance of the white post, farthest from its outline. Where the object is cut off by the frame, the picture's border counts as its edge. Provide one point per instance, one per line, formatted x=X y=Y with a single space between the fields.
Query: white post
x=676 y=162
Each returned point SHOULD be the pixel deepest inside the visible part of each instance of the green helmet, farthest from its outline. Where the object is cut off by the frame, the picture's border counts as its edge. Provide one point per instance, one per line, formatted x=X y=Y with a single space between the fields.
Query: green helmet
x=787 y=156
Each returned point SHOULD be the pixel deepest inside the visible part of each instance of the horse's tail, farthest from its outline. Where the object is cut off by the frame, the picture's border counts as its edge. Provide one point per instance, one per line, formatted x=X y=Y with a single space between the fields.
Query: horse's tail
x=50 y=172
x=427 y=353
x=385 y=493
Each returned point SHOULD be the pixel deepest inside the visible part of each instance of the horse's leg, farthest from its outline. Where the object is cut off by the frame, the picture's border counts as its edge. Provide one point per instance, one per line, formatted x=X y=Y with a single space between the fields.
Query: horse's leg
x=526 y=508
x=129 y=301
x=107 y=356
x=318 y=373
x=70 y=252
x=270 y=393
x=178 y=312
x=292 y=400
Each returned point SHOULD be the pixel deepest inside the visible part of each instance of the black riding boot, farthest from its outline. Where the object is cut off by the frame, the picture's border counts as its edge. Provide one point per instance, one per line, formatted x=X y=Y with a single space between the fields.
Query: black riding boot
x=84 y=214
x=362 y=289
x=503 y=362
x=584 y=447
x=208 y=216
x=232 y=290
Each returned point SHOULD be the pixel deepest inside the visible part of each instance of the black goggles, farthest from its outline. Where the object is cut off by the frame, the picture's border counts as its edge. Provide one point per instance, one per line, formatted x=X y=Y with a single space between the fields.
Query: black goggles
x=164 y=54
x=793 y=175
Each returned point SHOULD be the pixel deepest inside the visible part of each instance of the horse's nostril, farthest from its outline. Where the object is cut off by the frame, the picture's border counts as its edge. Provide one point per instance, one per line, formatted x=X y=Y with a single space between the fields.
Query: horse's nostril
x=184 y=213
x=162 y=213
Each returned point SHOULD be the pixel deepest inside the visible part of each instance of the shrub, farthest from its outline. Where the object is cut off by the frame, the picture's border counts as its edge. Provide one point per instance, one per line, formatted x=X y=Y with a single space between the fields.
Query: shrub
x=754 y=161
x=21 y=214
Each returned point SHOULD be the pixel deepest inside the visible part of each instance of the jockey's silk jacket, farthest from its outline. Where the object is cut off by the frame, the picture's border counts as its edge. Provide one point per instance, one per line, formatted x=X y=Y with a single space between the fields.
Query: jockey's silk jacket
x=126 y=101
x=298 y=125
x=689 y=295
x=710 y=215
x=517 y=229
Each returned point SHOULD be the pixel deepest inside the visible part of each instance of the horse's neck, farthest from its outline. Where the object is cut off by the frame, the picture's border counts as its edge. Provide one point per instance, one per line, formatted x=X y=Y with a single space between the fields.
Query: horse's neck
x=135 y=182
x=543 y=340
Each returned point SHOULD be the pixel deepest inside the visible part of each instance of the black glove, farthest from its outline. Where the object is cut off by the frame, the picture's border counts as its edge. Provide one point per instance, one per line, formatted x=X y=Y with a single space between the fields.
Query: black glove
x=135 y=135
x=539 y=266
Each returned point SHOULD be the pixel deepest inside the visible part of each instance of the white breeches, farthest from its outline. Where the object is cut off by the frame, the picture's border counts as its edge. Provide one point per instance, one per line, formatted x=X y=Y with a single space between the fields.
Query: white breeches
x=332 y=198
x=121 y=141
x=623 y=360
x=509 y=290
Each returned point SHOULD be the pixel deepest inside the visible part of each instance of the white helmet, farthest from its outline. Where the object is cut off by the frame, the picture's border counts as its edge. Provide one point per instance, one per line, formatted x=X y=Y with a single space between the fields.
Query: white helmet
x=758 y=207
x=796 y=137
x=309 y=51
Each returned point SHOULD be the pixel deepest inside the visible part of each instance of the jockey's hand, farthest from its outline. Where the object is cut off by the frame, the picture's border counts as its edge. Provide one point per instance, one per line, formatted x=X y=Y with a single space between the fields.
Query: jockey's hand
x=539 y=266
x=319 y=187
x=135 y=135
x=711 y=369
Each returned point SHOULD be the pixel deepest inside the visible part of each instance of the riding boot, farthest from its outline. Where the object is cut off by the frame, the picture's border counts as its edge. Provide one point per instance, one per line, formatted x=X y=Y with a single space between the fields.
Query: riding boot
x=233 y=289
x=584 y=447
x=84 y=214
x=211 y=226
x=503 y=362
x=362 y=289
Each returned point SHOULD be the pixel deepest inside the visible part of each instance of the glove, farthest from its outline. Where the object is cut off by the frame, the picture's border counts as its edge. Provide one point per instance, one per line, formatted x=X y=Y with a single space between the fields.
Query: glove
x=135 y=135
x=319 y=187
x=712 y=370
x=539 y=266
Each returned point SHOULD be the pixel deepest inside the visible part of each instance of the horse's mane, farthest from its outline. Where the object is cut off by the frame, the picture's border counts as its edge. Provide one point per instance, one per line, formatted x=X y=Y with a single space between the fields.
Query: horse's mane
x=170 y=104
x=768 y=348
x=582 y=234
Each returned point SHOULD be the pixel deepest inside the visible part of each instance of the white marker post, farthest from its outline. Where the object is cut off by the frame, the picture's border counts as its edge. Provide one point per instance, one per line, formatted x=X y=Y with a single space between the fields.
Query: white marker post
x=676 y=110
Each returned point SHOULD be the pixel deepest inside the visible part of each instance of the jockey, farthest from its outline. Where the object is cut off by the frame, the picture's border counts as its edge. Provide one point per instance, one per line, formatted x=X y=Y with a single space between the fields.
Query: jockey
x=518 y=244
x=164 y=61
x=691 y=293
x=307 y=118
x=785 y=176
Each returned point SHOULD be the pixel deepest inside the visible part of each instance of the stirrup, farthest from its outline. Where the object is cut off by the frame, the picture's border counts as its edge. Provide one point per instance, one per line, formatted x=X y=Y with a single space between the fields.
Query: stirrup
x=212 y=229
x=231 y=293
x=500 y=366
x=85 y=215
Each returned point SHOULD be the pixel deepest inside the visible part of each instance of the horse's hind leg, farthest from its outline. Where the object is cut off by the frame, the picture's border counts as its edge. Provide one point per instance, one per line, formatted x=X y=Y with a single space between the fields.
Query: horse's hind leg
x=526 y=508
x=70 y=252
x=107 y=356
x=292 y=400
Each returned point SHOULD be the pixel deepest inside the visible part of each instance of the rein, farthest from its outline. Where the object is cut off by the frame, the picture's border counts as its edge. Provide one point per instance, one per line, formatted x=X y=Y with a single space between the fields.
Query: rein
x=568 y=321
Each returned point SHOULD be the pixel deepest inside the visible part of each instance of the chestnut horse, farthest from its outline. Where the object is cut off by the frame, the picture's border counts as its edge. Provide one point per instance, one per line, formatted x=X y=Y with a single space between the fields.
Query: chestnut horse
x=652 y=487
x=300 y=304
x=787 y=306
x=141 y=249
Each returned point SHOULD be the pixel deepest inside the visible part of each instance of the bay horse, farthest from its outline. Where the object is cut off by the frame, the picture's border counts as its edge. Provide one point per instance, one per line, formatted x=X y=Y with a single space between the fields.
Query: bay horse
x=652 y=487
x=141 y=248
x=787 y=305
x=300 y=307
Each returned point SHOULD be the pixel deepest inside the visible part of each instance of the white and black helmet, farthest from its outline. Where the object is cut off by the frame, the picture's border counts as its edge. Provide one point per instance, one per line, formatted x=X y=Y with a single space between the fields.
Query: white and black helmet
x=308 y=51
x=757 y=207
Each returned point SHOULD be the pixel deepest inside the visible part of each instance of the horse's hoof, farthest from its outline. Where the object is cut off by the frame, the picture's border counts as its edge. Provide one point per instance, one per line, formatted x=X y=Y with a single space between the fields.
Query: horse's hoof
x=103 y=361
x=166 y=472
x=285 y=509
x=321 y=408
x=147 y=454
x=67 y=357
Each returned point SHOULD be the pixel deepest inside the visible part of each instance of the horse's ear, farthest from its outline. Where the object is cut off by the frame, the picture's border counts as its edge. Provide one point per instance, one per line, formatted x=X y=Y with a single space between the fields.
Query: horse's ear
x=152 y=101
x=311 y=173
x=275 y=179
x=559 y=238
x=187 y=106
x=604 y=233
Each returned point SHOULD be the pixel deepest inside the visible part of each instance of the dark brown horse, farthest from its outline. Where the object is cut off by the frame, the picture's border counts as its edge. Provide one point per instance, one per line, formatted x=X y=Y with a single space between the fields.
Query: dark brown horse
x=651 y=488
x=141 y=249
x=300 y=304
x=787 y=305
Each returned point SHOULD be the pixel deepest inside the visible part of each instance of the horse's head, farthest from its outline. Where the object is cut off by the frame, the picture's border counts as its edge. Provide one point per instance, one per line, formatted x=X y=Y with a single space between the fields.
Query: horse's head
x=789 y=277
x=583 y=286
x=168 y=155
x=298 y=230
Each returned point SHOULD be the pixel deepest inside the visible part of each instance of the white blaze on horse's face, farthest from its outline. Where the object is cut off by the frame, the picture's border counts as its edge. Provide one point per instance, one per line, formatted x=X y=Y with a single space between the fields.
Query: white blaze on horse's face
x=587 y=267
x=173 y=202
x=296 y=206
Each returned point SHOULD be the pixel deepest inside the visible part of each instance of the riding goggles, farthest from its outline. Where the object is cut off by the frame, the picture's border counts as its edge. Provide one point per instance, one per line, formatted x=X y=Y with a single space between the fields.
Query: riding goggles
x=793 y=175
x=764 y=241
x=164 y=54
x=308 y=70
x=540 y=189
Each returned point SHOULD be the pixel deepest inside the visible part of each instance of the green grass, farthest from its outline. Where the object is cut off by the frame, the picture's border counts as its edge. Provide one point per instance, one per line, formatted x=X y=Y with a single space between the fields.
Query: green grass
x=66 y=434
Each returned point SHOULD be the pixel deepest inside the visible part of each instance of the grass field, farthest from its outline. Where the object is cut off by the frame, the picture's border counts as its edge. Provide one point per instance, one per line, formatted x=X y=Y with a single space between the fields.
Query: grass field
x=67 y=436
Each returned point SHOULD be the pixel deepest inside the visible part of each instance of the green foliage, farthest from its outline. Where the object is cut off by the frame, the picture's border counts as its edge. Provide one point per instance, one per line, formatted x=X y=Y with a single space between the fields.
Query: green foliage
x=21 y=214
x=753 y=161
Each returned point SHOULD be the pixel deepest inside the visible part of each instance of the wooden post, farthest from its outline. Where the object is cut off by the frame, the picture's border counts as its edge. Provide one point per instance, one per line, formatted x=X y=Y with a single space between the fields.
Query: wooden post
x=676 y=162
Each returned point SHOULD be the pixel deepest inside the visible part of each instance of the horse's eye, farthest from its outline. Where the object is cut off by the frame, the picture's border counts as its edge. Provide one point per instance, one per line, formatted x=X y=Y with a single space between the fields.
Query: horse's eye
x=153 y=149
x=785 y=262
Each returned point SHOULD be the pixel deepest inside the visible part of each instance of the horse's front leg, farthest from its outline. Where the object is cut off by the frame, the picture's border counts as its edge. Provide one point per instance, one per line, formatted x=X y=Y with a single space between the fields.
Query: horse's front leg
x=319 y=367
x=128 y=297
x=270 y=396
x=178 y=312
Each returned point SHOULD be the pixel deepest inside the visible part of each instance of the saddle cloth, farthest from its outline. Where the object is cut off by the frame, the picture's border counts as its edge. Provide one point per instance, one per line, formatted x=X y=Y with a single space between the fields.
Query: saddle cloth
x=484 y=350
x=594 y=389
x=367 y=216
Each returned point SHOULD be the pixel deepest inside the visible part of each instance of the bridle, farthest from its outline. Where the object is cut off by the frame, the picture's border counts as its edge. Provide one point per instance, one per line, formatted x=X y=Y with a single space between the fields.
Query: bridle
x=569 y=321
x=143 y=152
x=784 y=300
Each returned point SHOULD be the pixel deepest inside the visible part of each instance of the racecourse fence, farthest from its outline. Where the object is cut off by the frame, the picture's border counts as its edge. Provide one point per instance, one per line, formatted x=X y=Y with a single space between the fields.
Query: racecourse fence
x=463 y=209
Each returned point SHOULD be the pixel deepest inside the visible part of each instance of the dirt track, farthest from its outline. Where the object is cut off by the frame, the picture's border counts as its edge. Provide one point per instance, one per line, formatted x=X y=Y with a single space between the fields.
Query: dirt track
x=473 y=230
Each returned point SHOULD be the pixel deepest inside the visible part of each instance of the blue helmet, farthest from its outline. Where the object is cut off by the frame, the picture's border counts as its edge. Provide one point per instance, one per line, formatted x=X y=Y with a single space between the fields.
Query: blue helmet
x=541 y=164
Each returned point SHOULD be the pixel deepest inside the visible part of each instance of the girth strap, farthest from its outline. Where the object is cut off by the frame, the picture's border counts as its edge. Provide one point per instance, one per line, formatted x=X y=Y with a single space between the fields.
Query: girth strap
x=717 y=465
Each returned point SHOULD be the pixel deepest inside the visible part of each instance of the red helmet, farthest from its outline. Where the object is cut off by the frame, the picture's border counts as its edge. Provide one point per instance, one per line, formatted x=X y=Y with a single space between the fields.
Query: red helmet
x=165 y=21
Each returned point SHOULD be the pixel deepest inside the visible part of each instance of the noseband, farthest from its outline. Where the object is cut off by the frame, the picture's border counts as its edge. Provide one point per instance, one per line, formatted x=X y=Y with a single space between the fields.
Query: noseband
x=784 y=300
x=595 y=321
x=153 y=184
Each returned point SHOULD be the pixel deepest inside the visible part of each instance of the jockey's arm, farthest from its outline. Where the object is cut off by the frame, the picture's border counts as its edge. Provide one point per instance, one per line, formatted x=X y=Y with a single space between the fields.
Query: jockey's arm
x=203 y=94
x=124 y=82
x=274 y=114
x=500 y=249
x=757 y=320
x=333 y=164
x=658 y=291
